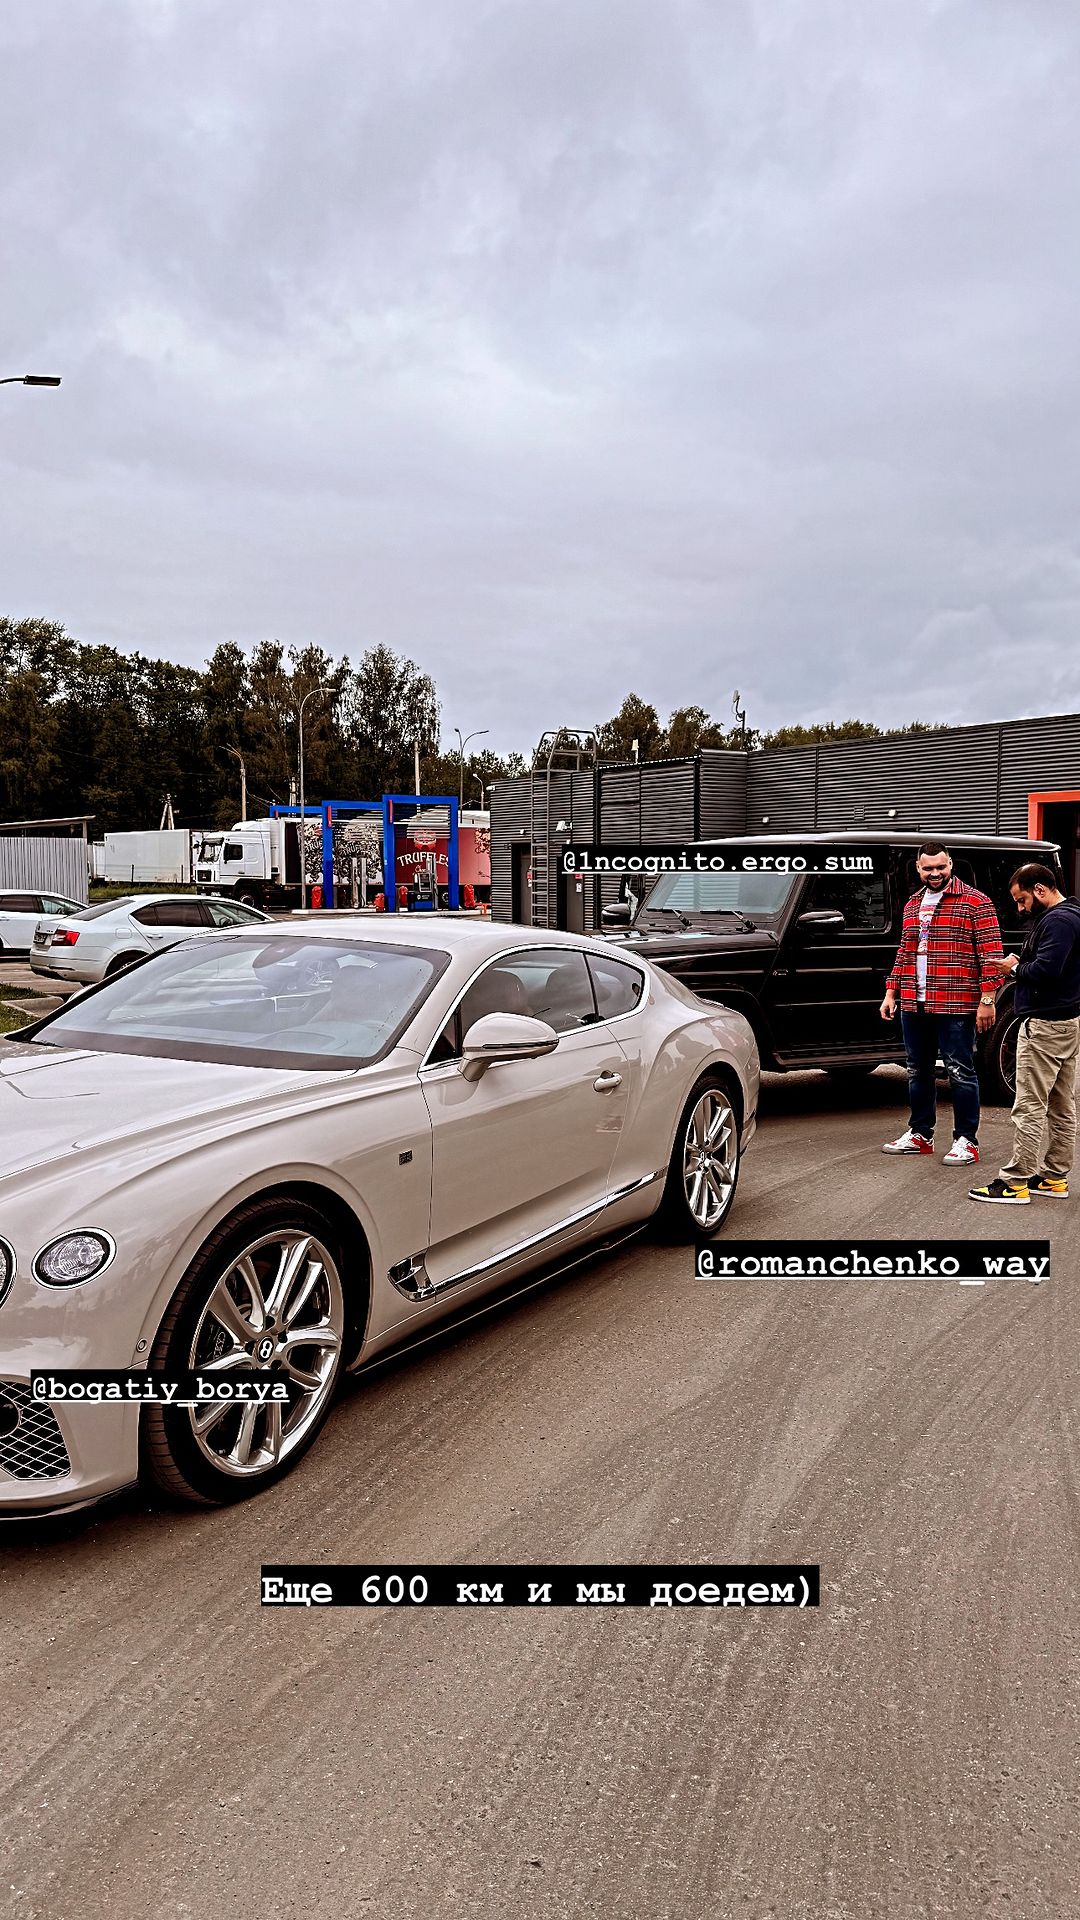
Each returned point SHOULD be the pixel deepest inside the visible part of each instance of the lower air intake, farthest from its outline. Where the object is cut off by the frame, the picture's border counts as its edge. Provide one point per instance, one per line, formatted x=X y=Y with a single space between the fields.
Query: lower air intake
x=31 y=1443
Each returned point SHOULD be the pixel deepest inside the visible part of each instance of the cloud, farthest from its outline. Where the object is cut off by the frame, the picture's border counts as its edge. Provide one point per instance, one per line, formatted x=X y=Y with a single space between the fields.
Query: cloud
x=564 y=349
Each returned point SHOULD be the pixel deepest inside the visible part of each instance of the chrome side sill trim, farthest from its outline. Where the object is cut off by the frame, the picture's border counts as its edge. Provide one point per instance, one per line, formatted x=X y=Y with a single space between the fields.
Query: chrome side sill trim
x=410 y=1276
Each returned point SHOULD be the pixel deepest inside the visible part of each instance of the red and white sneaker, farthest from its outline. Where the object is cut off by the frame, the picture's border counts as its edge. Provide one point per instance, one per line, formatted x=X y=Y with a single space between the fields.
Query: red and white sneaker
x=909 y=1143
x=962 y=1153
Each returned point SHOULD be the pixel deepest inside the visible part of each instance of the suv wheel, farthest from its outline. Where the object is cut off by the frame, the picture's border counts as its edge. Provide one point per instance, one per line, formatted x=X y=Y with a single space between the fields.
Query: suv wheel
x=996 y=1059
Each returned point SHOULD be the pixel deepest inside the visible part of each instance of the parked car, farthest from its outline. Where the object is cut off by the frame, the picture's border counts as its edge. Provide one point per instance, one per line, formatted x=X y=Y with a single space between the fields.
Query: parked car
x=296 y=1148
x=806 y=959
x=103 y=940
x=20 y=912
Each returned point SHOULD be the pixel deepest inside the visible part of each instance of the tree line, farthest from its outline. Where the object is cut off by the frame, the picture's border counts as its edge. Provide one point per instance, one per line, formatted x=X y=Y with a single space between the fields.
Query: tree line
x=87 y=729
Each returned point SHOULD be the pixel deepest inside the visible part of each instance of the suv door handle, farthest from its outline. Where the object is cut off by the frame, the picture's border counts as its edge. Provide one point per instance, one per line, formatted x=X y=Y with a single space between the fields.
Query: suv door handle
x=607 y=1081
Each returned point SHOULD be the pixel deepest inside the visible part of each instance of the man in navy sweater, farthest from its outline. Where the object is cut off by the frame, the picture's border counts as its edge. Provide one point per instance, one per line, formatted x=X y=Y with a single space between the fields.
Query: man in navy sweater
x=1048 y=997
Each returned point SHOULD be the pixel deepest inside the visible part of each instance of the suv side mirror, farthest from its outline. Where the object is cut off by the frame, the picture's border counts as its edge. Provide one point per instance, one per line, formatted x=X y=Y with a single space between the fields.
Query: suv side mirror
x=822 y=921
x=619 y=914
x=504 y=1036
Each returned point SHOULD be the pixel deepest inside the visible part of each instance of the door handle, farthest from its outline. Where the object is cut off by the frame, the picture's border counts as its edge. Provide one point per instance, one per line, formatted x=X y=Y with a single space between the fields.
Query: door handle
x=607 y=1081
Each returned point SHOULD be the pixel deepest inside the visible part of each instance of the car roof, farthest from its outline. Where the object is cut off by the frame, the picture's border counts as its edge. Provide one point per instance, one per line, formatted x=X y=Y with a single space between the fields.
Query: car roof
x=452 y=935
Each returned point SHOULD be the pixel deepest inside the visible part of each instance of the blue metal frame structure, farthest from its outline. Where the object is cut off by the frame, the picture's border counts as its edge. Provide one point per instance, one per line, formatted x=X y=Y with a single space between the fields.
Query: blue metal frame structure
x=416 y=801
x=329 y=808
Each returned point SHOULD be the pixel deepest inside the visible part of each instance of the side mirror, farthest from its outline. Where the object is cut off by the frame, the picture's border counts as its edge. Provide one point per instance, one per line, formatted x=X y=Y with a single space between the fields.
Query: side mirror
x=821 y=921
x=505 y=1036
x=619 y=914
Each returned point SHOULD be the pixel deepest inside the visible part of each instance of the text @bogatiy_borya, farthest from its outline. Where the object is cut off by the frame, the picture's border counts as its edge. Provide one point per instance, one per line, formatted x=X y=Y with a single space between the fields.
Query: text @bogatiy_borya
x=118 y=1386
x=969 y=1262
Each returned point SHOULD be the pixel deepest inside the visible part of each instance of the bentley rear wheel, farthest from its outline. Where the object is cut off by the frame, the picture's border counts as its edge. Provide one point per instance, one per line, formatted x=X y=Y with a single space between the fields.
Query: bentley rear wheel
x=704 y=1168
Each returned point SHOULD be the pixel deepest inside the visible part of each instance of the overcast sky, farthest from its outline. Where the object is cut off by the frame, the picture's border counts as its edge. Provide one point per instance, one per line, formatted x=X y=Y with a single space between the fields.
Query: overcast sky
x=567 y=346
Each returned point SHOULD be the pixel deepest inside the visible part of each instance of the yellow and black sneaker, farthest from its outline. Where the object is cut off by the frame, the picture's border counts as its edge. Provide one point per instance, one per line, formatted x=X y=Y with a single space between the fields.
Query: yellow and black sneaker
x=1003 y=1193
x=1049 y=1183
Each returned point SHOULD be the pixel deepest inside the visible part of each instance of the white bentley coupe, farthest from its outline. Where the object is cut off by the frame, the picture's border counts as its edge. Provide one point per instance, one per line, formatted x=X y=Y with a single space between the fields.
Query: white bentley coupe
x=289 y=1148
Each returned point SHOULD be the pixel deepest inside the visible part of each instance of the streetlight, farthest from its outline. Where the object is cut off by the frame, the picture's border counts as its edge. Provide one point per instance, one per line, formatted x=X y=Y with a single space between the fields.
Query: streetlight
x=303 y=817
x=483 y=790
x=462 y=744
x=30 y=380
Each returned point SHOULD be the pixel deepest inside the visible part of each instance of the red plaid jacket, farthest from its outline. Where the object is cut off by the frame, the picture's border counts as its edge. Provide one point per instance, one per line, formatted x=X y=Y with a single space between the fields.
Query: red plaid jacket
x=964 y=932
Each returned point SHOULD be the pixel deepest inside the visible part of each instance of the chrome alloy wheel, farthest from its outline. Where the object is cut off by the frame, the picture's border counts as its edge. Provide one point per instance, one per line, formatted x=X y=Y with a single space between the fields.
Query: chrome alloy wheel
x=278 y=1310
x=710 y=1155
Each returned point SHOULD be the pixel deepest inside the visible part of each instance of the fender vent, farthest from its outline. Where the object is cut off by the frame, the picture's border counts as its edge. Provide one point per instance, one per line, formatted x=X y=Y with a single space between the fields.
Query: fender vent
x=31 y=1443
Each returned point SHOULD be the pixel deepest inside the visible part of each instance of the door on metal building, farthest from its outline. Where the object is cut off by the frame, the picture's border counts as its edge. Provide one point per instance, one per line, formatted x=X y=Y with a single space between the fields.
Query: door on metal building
x=571 y=903
x=521 y=886
x=1061 y=822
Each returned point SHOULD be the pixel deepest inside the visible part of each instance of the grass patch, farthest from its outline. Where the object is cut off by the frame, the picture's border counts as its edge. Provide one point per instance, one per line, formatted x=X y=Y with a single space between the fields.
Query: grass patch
x=24 y=993
x=102 y=890
x=11 y=1021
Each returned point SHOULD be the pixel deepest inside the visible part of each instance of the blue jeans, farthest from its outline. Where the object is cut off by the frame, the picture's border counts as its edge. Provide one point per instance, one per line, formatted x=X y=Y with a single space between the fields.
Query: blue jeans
x=952 y=1035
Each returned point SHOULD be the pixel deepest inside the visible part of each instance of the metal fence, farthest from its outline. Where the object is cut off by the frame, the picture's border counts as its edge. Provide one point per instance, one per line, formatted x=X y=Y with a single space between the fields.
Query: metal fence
x=43 y=865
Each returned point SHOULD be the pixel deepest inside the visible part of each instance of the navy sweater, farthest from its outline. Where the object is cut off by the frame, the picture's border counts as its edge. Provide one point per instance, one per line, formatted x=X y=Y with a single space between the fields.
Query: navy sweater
x=1048 y=977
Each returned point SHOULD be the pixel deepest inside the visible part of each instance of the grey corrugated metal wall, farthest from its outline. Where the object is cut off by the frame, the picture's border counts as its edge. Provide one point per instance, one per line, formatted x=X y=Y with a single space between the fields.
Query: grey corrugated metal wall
x=960 y=779
x=44 y=865
x=721 y=793
x=1037 y=756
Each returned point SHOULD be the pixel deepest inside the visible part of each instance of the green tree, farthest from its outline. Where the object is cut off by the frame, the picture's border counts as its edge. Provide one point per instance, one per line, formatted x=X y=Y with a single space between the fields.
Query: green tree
x=689 y=730
x=635 y=720
x=386 y=705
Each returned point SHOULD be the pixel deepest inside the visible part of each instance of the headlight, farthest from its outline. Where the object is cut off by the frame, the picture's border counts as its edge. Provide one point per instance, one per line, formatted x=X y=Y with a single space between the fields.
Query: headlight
x=7 y=1269
x=74 y=1257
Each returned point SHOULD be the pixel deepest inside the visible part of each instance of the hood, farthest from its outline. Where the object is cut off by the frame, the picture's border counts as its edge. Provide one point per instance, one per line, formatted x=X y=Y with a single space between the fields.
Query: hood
x=55 y=1104
x=725 y=934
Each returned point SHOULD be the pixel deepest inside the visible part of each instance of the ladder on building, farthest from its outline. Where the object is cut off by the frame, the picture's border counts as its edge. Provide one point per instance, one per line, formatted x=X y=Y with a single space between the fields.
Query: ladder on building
x=561 y=750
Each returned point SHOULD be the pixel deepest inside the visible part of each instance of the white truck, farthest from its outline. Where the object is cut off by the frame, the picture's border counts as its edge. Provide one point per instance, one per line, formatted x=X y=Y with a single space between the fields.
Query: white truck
x=258 y=861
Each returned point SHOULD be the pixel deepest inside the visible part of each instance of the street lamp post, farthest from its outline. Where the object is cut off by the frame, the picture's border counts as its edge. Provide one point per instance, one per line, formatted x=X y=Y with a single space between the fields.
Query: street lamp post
x=462 y=744
x=303 y=817
x=30 y=380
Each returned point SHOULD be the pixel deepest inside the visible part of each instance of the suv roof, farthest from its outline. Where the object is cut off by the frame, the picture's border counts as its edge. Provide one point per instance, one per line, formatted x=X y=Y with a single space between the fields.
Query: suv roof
x=874 y=836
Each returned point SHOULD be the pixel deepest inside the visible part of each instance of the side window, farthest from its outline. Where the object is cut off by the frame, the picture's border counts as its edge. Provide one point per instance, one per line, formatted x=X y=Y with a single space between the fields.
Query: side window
x=549 y=984
x=448 y=1044
x=618 y=988
x=234 y=850
x=556 y=985
x=228 y=916
x=861 y=898
x=183 y=913
x=148 y=916
x=20 y=903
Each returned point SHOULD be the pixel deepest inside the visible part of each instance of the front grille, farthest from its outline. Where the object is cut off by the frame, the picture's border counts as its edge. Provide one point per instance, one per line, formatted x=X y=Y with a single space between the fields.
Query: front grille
x=31 y=1443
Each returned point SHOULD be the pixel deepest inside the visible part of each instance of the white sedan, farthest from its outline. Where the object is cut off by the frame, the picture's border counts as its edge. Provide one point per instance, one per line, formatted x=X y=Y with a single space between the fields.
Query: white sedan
x=20 y=910
x=98 y=941
x=291 y=1149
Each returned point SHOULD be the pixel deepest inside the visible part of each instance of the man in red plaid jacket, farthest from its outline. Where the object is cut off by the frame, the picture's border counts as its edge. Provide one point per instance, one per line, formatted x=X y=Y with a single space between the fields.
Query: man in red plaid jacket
x=947 y=991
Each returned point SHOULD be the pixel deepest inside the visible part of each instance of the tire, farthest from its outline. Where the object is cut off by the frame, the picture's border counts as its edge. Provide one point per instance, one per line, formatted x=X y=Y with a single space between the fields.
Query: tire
x=118 y=964
x=996 y=1058
x=704 y=1113
x=248 y=898
x=211 y=1458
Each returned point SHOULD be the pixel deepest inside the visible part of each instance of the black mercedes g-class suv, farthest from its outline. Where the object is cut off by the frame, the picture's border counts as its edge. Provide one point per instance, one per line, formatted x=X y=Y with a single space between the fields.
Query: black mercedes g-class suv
x=805 y=957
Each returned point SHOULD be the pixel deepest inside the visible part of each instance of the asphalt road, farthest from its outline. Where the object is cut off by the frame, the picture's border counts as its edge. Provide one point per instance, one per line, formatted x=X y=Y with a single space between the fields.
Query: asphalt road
x=909 y=1749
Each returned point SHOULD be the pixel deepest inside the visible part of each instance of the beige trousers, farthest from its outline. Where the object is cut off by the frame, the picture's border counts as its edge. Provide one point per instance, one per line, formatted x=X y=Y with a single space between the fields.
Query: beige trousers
x=1045 y=1104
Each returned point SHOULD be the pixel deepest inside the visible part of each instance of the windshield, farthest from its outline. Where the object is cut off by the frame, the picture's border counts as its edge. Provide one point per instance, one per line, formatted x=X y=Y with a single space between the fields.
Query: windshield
x=246 y=1001
x=209 y=846
x=757 y=895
